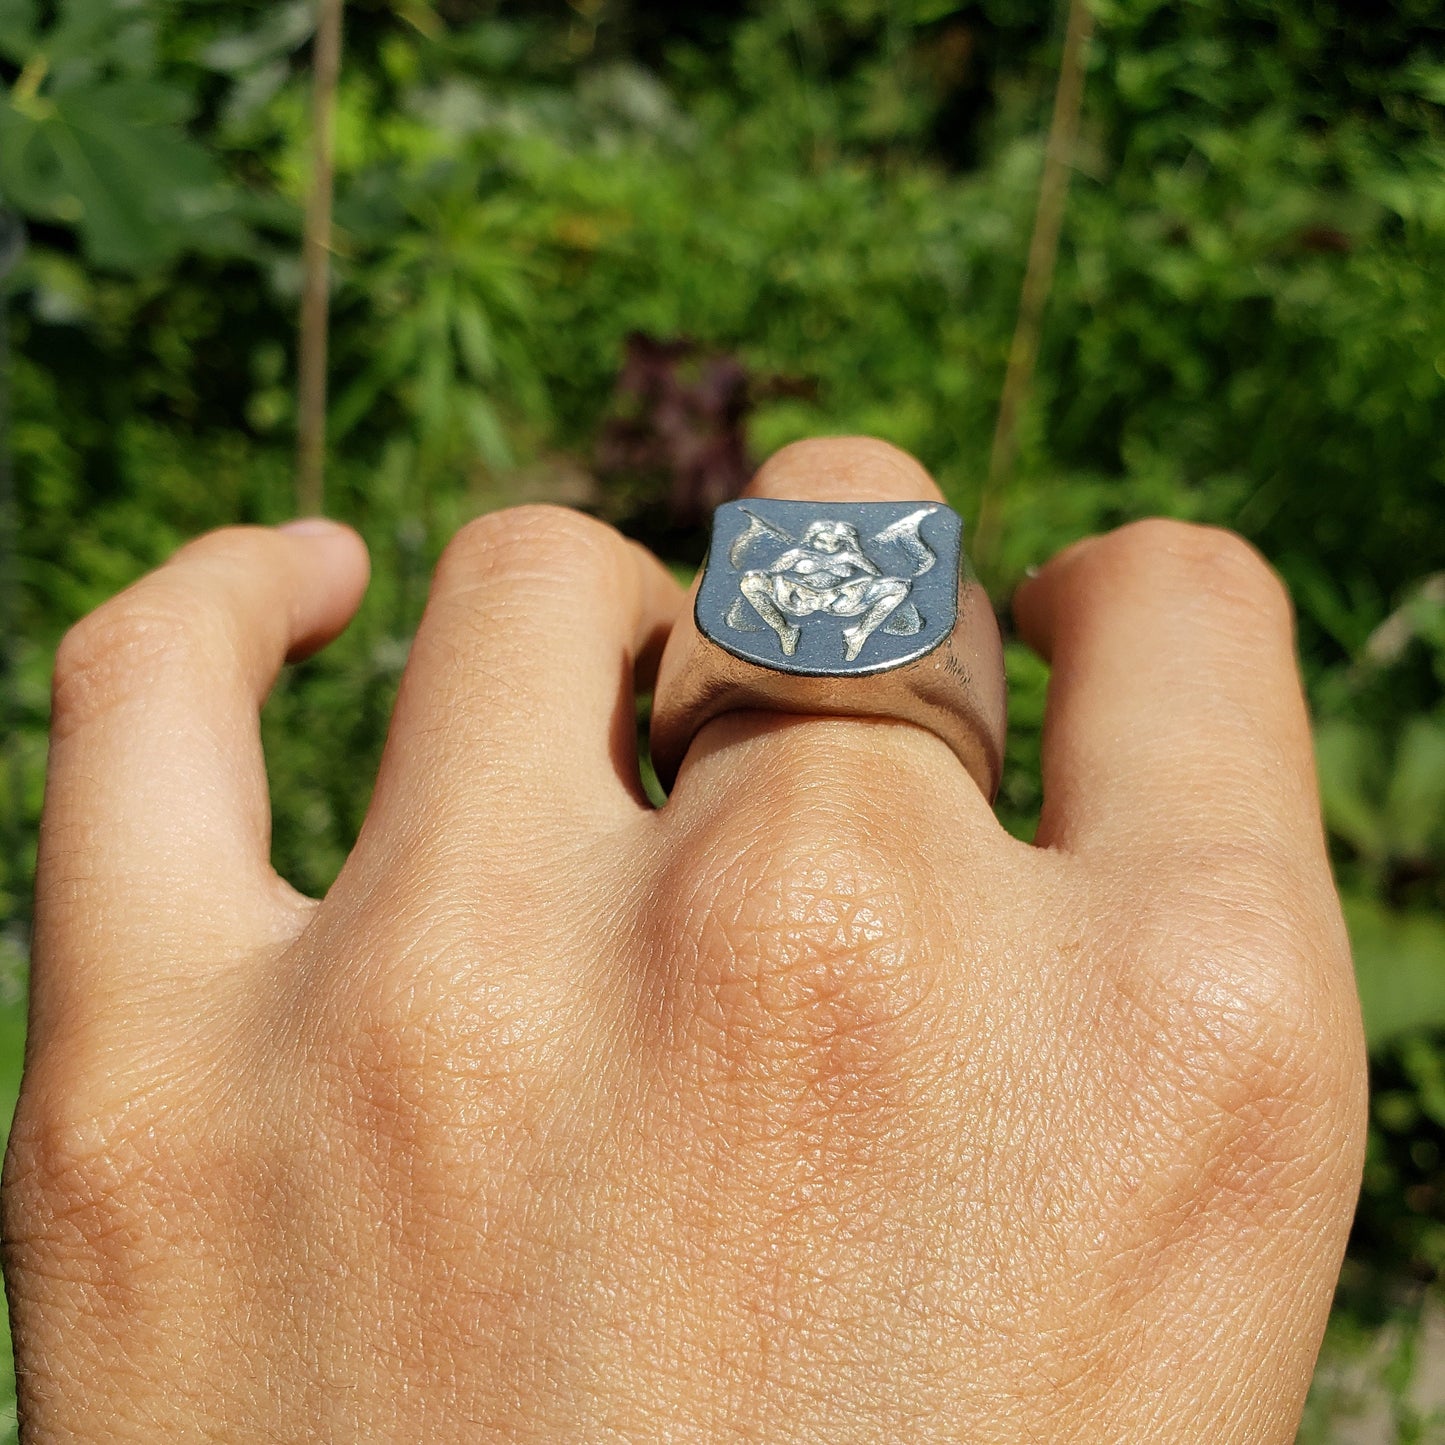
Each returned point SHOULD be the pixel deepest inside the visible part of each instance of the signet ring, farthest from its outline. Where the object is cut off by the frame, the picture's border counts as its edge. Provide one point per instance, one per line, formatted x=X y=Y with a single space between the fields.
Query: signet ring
x=837 y=609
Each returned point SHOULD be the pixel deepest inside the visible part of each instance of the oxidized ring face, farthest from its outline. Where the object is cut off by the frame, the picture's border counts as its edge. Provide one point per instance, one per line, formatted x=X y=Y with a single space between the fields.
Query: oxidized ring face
x=830 y=589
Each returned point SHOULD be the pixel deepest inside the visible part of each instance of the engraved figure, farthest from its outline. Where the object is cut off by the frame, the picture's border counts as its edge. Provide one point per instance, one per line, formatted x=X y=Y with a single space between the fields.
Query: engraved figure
x=828 y=571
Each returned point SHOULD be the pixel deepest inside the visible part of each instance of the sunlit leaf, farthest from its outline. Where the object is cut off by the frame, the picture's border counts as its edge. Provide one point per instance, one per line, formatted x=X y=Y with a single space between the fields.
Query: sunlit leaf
x=1349 y=764
x=283 y=28
x=487 y=433
x=1425 y=1066
x=1415 y=802
x=474 y=339
x=1399 y=965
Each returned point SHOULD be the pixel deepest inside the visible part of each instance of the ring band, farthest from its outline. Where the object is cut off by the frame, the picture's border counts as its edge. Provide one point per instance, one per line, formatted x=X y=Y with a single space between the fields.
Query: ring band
x=837 y=609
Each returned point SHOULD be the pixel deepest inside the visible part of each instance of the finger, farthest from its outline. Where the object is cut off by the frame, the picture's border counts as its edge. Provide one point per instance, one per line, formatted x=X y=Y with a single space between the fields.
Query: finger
x=756 y=744
x=518 y=701
x=156 y=831
x=843 y=469
x=1176 y=724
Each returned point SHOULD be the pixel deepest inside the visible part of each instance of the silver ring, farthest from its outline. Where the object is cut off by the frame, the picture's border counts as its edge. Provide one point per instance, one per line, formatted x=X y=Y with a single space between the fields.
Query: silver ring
x=837 y=609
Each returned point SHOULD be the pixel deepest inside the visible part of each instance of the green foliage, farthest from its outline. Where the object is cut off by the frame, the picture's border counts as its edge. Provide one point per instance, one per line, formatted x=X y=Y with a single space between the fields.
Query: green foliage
x=92 y=136
x=1245 y=328
x=1398 y=961
x=1382 y=784
x=1380 y=1373
x=448 y=336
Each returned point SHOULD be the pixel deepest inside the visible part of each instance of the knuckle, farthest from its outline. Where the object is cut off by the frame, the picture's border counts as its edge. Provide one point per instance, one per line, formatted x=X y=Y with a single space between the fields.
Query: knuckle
x=426 y=1060
x=1273 y=1123
x=381 y=1094
x=1251 y=943
x=805 y=989
x=1257 y=1029
x=426 y=1116
x=538 y=540
x=1210 y=562
x=59 y=1161
x=115 y=1205
x=83 y=1173
x=123 y=648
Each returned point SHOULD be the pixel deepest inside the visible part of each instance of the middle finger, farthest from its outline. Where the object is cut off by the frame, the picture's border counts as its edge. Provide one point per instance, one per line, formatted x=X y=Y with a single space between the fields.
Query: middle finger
x=516 y=718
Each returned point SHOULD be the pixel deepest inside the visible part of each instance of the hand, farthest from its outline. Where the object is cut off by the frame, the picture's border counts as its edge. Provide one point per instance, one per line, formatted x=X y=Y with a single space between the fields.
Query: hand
x=810 y=1107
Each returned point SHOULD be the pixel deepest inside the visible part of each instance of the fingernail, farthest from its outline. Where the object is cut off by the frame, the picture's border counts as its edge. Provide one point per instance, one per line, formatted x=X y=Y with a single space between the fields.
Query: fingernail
x=1031 y=571
x=310 y=527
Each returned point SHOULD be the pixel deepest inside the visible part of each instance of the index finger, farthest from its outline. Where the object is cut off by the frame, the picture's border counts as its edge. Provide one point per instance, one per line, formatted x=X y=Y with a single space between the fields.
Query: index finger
x=154 y=848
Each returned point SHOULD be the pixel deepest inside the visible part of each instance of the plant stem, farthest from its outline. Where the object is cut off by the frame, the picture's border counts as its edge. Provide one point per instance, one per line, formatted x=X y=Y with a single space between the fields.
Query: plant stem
x=316 y=265
x=1038 y=279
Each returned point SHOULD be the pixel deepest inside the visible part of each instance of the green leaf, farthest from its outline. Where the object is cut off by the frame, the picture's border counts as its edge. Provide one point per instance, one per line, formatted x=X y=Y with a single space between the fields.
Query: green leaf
x=1346 y=755
x=1399 y=966
x=434 y=383
x=146 y=106
x=474 y=339
x=1425 y=79
x=1415 y=802
x=103 y=158
x=1426 y=1068
x=284 y=29
x=486 y=431
x=403 y=344
x=92 y=31
x=18 y=39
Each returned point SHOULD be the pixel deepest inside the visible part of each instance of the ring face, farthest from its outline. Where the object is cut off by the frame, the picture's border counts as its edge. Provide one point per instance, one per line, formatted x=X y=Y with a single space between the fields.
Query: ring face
x=830 y=589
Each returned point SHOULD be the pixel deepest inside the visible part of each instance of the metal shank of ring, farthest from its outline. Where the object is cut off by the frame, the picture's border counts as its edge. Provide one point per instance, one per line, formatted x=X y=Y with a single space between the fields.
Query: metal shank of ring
x=824 y=610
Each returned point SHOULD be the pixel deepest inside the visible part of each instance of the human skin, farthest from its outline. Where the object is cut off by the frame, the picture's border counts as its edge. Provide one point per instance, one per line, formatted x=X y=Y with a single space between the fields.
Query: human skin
x=810 y=1107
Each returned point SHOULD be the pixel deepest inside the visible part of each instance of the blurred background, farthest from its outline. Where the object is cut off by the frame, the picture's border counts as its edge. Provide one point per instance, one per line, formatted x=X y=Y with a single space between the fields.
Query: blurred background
x=611 y=253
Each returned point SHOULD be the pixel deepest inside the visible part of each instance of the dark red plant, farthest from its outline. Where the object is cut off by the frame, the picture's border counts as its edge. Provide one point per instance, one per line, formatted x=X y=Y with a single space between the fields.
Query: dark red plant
x=678 y=431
